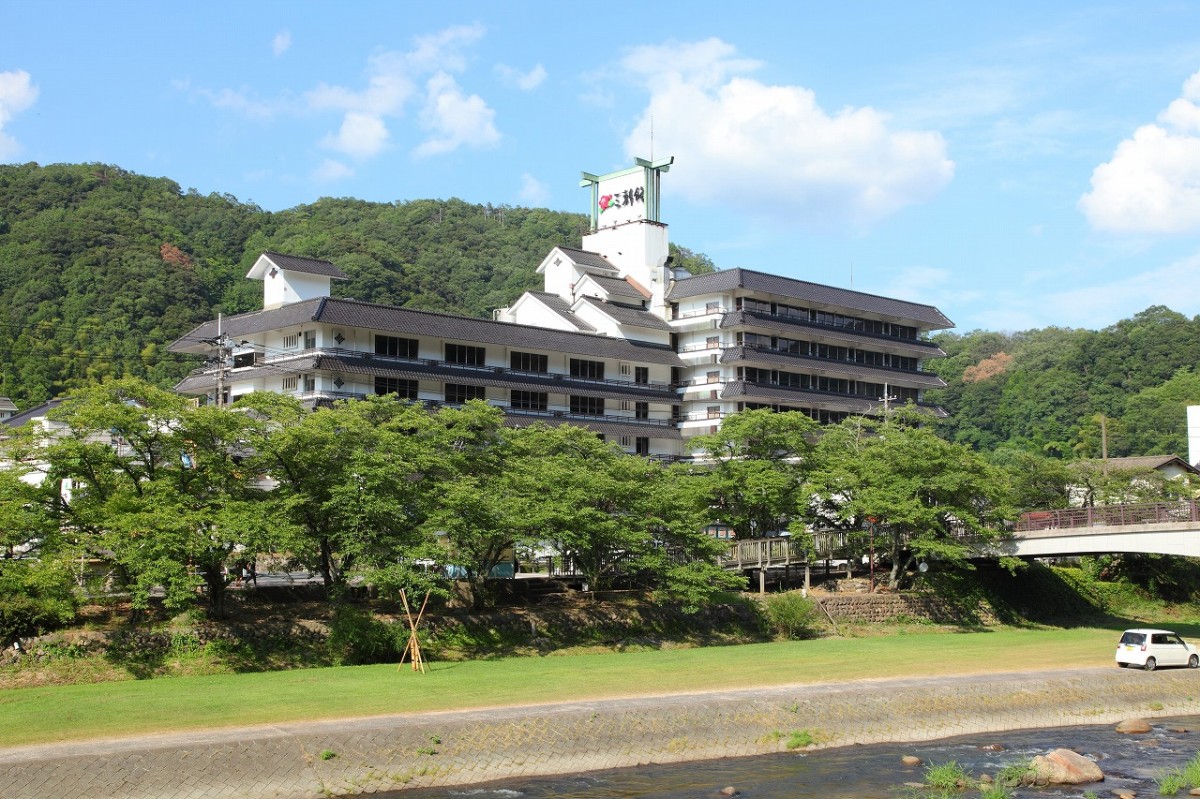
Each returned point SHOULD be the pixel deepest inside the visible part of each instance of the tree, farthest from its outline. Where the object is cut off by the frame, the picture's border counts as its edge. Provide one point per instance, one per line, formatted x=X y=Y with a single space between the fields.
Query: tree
x=920 y=493
x=754 y=482
x=156 y=488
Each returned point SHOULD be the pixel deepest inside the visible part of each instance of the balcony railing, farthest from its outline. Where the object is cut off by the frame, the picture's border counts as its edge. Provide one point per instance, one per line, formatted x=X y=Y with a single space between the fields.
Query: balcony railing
x=338 y=352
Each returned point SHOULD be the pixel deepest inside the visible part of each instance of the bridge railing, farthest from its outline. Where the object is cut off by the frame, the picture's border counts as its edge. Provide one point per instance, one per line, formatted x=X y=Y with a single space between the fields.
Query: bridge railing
x=1109 y=515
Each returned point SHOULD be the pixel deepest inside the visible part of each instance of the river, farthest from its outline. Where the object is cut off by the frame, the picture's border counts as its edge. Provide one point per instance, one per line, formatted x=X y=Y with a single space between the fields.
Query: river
x=869 y=772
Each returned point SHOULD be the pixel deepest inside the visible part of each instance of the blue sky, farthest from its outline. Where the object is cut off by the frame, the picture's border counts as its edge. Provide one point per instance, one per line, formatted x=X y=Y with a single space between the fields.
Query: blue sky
x=1017 y=164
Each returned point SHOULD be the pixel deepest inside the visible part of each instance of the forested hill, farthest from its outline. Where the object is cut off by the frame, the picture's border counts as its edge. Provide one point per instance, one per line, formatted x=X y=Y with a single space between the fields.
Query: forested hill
x=1061 y=392
x=101 y=268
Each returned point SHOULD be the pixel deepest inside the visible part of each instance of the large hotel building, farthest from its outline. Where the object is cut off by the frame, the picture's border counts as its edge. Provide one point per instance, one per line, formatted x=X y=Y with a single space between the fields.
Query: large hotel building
x=619 y=340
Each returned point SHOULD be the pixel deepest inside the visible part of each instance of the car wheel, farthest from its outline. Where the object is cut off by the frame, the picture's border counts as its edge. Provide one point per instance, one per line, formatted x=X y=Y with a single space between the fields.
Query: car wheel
x=1194 y=662
x=1151 y=663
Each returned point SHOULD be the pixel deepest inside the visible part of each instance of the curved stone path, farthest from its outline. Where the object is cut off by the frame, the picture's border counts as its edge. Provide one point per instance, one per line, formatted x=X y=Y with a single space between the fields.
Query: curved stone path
x=357 y=756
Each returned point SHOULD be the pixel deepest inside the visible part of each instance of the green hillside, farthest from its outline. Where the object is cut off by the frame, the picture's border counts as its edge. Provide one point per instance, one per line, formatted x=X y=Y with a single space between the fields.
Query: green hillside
x=101 y=268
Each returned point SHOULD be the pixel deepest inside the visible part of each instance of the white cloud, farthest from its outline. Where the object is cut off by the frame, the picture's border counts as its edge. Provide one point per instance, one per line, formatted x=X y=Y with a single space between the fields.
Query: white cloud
x=1175 y=285
x=772 y=151
x=331 y=171
x=1152 y=182
x=533 y=193
x=454 y=118
x=393 y=82
x=17 y=94
x=361 y=136
x=525 y=81
x=281 y=43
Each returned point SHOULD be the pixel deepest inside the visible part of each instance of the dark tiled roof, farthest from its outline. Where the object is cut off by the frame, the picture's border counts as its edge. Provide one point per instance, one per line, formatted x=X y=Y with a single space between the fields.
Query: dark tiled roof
x=199 y=339
x=926 y=316
x=309 y=266
x=563 y=309
x=33 y=413
x=589 y=259
x=1146 y=462
x=625 y=315
x=7 y=405
x=390 y=319
x=616 y=287
x=855 y=371
x=860 y=338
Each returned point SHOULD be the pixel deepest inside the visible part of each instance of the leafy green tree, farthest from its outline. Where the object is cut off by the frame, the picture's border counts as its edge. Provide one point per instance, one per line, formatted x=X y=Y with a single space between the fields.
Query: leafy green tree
x=1155 y=418
x=155 y=487
x=758 y=460
x=920 y=493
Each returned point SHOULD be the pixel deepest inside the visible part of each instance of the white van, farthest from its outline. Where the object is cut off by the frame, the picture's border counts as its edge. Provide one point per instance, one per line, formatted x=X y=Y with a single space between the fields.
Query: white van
x=1150 y=649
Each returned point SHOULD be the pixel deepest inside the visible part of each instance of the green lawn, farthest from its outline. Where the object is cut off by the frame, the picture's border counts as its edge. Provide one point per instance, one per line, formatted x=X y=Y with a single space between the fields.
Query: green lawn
x=116 y=709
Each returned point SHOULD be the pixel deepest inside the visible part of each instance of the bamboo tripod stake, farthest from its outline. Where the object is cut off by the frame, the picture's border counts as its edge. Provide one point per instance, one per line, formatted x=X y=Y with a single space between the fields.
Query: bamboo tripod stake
x=414 y=645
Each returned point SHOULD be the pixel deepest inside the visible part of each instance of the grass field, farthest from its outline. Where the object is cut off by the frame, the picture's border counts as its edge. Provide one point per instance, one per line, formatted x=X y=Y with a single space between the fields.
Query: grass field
x=130 y=708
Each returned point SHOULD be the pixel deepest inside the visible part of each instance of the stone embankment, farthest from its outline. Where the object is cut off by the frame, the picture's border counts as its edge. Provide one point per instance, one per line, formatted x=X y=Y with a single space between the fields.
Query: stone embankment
x=454 y=748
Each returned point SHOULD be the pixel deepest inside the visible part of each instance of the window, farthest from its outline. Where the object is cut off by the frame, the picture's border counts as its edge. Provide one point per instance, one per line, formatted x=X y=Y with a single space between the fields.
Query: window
x=404 y=389
x=626 y=370
x=641 y=374
x=310 y=384
x=465 y=354
x=713 y=377
x=714 y=411
x=310 y=339
x=587 y=406
x=529 y=362
x=712 y=342
x=289 y=383
x=642 y=445
x=291 y=342
x=626 y=442
x=396 y=347
x=590 y=369
x=641 y=410
x=528 y=400
x=243 y=359
x=712 y=307
x=457 y=394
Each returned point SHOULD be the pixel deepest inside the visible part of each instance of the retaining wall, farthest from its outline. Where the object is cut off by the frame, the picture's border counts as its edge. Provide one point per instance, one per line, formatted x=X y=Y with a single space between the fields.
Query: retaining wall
x=875 y=608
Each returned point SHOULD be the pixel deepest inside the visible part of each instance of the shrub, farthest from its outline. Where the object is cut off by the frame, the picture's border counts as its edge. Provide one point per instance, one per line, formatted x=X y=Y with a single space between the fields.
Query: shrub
x=35 y=598
x=791 y=616
x=948 y=776
x=357 y=638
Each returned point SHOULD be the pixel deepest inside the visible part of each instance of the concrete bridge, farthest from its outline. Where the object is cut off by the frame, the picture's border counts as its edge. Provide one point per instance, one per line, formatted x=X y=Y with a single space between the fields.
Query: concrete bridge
x=1160 y=528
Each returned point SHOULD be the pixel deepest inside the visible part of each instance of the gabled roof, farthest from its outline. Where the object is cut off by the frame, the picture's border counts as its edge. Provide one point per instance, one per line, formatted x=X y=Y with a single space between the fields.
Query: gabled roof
x=617 y=287
x=588 y=259
x=35 y=412
x=1147 y=462
x=625 y=315
x=926 y=316
x=562 y=308
x=390 y=319
x=295 y=263
x=7 y=405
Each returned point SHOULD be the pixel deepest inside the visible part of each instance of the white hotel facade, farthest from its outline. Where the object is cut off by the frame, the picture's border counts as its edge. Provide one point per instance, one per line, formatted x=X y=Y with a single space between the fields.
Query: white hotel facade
x=618 y=341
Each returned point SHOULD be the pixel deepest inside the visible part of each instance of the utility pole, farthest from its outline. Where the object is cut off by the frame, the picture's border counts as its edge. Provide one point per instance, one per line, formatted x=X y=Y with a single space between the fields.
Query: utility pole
x=221 y=342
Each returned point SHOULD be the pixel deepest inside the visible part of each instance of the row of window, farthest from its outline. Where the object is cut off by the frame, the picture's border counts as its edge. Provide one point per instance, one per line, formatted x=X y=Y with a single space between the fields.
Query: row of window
x=813 y=349
x=457 y=394
x=537 y=363
x=857 y=388
x=814 y=316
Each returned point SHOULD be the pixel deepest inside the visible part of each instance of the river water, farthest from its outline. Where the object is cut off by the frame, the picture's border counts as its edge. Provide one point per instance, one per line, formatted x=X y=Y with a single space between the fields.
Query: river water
x=870 y=772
